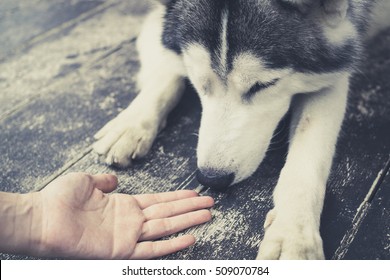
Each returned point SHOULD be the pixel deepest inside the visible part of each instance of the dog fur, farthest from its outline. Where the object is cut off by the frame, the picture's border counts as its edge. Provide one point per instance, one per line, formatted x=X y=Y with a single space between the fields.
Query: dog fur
x=250 y=62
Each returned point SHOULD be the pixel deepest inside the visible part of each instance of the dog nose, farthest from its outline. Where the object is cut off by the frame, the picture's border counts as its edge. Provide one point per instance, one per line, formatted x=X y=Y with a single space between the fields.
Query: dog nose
x=214 y=179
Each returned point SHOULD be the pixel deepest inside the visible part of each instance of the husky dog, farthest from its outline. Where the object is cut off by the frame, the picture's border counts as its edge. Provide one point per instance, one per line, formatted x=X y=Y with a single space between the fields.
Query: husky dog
x=250 y=62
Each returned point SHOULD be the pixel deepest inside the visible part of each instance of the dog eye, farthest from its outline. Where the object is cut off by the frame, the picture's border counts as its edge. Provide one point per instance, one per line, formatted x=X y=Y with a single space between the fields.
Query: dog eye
x=256 y=88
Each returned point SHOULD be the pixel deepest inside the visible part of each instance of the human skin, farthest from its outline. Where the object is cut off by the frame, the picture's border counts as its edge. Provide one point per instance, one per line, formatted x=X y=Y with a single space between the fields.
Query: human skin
x=76 y=217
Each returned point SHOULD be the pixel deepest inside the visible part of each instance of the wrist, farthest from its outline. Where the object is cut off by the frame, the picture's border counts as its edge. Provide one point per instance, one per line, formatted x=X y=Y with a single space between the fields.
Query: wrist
x=21 y=223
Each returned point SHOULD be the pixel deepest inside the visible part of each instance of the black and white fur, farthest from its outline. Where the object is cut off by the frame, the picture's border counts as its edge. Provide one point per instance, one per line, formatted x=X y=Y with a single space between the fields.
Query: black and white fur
x=250 y=61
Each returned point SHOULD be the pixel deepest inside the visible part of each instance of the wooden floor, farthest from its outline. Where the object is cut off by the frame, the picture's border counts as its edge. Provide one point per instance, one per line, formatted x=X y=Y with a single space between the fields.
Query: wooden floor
x=67 y=67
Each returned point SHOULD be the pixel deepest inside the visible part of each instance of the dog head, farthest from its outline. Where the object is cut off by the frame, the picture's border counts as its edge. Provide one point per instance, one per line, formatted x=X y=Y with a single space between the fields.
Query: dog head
x=246 y=59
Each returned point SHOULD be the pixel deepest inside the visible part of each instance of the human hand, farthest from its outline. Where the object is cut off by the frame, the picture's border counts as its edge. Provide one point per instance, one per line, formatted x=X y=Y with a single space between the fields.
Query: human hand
x=81 y=221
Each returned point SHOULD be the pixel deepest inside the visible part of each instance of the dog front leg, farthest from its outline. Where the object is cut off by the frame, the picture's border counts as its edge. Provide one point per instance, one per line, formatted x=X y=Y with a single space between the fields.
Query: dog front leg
x=131 y=134
x=292 y=227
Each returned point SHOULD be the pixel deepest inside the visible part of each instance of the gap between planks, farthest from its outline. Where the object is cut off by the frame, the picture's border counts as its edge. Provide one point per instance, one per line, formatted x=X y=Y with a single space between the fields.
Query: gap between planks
x=63 y=169
x=361 y=214
x=189 y=181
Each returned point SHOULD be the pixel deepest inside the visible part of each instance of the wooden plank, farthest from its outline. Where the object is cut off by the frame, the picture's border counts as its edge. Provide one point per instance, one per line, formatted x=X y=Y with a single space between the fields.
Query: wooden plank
x=22 y=21
x=71 y=47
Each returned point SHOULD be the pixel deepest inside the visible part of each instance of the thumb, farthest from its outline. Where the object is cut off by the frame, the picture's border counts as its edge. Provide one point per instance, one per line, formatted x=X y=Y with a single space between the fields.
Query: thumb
x=105 y=182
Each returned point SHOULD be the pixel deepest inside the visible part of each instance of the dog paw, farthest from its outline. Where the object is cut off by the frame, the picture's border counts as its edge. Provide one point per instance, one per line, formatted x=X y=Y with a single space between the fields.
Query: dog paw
x=291 y=239
x=127 y=137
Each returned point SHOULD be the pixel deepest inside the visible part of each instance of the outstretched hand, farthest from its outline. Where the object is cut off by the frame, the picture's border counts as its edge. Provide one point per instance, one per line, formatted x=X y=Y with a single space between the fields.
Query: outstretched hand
x=80 y=220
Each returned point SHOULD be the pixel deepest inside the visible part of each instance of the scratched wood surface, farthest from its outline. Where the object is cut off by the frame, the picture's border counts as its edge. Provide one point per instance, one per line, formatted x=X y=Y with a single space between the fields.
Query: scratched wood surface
x=67 y=67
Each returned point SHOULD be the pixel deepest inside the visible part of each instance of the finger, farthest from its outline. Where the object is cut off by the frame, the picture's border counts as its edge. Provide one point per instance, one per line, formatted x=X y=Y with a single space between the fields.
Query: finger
x=156 y=229
x=150 y=250
x=146 y=200
x=178 y=207
x=105 y=182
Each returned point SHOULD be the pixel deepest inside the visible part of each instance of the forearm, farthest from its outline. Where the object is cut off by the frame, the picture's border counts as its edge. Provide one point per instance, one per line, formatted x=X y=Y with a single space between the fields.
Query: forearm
x=316 y=123
x=20 y=223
